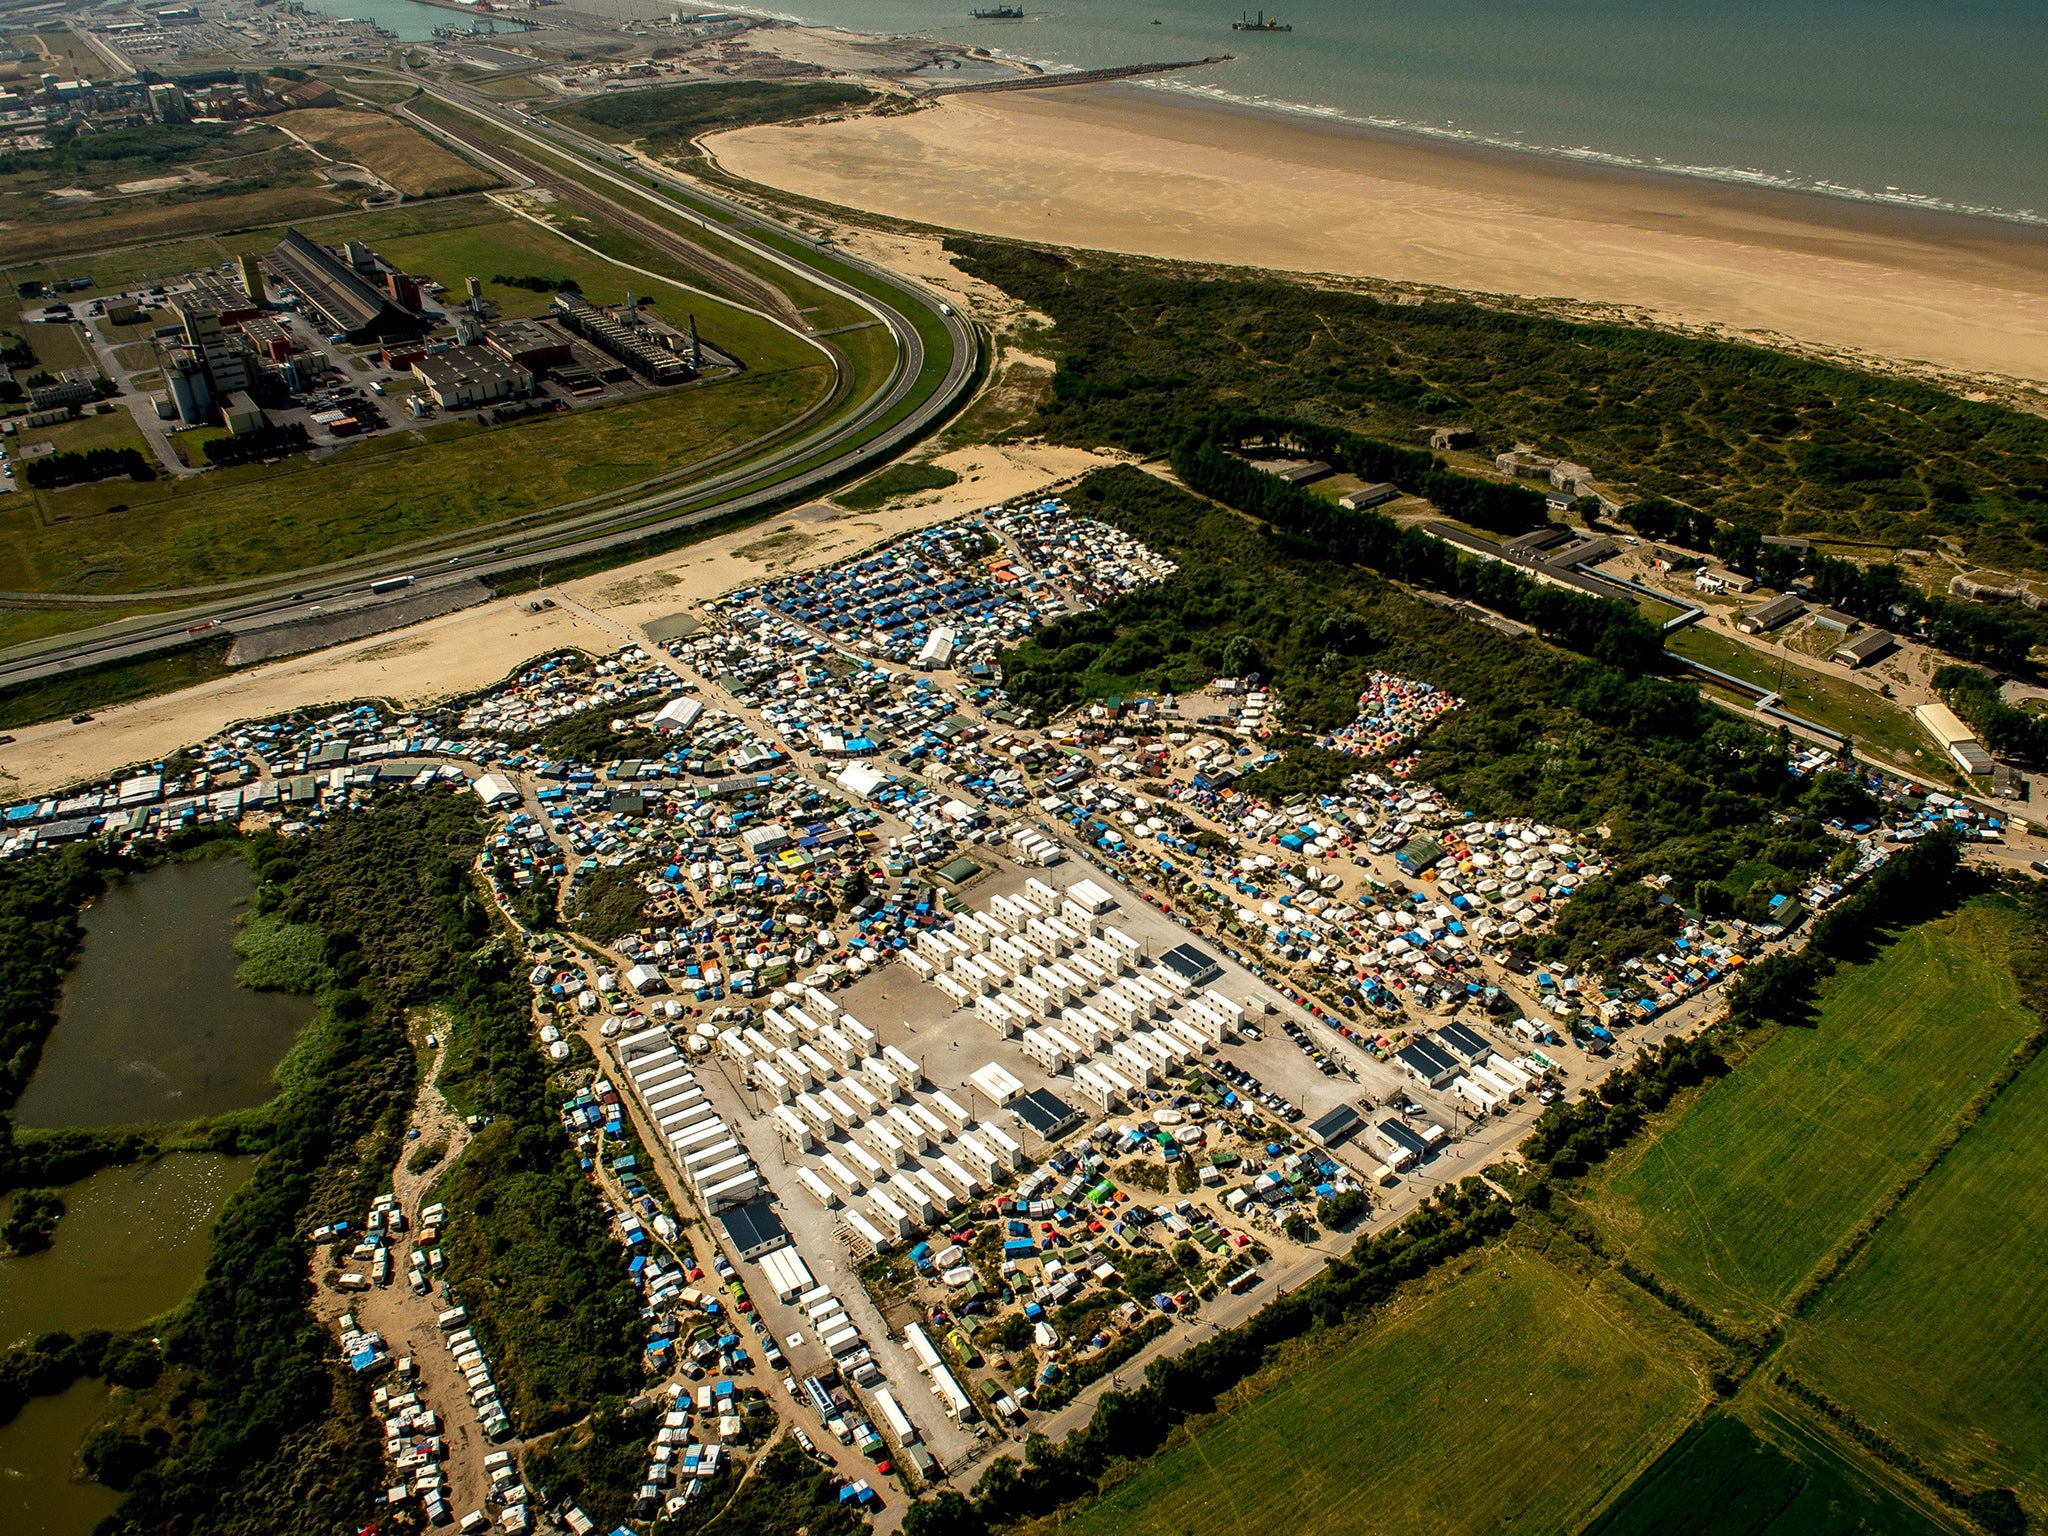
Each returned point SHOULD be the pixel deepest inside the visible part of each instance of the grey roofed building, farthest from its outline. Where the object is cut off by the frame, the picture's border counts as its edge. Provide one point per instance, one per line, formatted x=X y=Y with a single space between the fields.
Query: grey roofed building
x=1191 y=965
x=1397 y=1132
x=1865 y=648
x=1340 y=1124
x=1461 y=1041
x=337 y=297
x=1429 y=1064
x=1046 y=1113
x=1775 y=614
x=754 y=1229
x=1369 y=496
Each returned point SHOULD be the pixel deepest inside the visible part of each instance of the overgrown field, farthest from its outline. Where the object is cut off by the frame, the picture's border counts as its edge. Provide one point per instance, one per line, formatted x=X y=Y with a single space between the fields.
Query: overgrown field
x=1754 y=437
x=398 y=152
x=118 y=536
x=1741 y=1197
x=1509 y=1399
x=1937 y=1338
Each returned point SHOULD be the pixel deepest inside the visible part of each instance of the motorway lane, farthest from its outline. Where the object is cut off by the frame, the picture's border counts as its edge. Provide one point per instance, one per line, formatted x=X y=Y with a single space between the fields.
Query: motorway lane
x=494 y=554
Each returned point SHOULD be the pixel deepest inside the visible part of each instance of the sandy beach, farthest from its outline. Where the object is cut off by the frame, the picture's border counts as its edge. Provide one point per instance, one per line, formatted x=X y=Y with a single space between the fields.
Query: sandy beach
x=465 y=651
x=1123 y=168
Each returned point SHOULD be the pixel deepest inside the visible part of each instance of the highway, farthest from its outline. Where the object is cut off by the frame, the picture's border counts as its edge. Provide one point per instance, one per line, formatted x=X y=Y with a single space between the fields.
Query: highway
x=797 y=458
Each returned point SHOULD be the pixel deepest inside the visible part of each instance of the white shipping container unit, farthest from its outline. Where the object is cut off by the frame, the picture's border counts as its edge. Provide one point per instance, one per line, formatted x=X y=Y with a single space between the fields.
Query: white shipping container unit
x=873 y=1235
x=997 y=1084
x=864 y=1160
x=960 y=995
x=840 y=1174
x=1005 y=1146
x=935 y=1129
x=1041 y=895
x=892 y=1216
x=986 y=1165
x=920 y=1347
x=857 y=1032
x=790 y=1126
x=969 y=1185
x=1090 y=897
x=950 y=1108
x=819 y=1190
x=892 y=1416
x=787 y=1273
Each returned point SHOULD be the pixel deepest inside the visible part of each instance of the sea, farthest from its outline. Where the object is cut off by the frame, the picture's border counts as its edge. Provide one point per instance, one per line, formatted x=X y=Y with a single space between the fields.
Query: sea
x=1939 y=104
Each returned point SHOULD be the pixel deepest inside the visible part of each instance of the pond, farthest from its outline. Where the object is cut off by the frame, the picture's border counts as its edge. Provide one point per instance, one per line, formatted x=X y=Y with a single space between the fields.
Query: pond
x=131 y=1244
x=38 y=1451
x=153 y=1026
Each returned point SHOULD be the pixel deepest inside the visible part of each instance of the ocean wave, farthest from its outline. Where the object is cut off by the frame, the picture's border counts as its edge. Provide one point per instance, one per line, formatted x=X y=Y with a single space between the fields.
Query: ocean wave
x=1779 y=181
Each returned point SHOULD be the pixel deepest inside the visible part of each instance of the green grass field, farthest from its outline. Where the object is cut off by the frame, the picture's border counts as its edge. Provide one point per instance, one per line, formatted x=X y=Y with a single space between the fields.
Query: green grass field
x=1877 y=725
x=401 y=487
x=1730 y=1477
x=1936 y=1337
x=1741 y=1198
x=1506 y=1400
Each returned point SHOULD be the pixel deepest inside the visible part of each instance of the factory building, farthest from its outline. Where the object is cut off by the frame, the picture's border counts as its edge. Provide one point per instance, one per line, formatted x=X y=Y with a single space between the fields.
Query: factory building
x=463 y=378
x=333 y=291
x=648 y=352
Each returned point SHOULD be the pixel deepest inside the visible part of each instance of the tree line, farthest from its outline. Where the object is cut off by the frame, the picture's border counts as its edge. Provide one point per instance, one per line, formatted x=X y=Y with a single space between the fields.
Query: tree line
x=53 y=470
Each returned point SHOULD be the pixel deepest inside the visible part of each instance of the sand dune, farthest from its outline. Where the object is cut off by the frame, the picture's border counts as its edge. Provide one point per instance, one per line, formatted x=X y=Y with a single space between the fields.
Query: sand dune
x=1127 y=169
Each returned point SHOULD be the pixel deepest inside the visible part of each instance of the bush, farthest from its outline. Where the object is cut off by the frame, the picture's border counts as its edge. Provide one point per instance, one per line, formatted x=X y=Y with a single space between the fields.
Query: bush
x=271 y=442
x=61 y=469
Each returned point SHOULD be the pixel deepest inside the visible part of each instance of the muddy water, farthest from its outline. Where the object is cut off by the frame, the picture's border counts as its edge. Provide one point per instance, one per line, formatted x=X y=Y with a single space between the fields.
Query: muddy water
x=153 y=1025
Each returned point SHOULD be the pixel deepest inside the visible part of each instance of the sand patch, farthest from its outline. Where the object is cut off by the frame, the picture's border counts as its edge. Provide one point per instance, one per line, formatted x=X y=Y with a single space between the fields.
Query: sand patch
x=1124 y=169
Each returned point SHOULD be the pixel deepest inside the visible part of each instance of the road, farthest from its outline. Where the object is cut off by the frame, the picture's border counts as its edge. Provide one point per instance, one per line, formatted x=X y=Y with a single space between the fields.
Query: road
x=799 y=464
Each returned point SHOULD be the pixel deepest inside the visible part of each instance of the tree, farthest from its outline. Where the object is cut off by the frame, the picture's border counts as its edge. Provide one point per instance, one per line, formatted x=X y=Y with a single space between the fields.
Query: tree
x=944 y=1513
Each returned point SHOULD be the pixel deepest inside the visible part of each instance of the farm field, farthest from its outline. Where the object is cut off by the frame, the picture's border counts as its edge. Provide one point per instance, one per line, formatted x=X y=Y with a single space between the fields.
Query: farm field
x=224 y=227
x=1744 y=1195
x=1831 y=701
x=396 y=151
x=1729 y=1477
x=1936 y=1337
x=1507 y=1398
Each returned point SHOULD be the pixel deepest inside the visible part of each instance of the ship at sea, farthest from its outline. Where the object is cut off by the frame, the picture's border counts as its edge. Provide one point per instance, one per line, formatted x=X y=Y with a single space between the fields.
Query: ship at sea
x=1000 y=13
x=1245 y=23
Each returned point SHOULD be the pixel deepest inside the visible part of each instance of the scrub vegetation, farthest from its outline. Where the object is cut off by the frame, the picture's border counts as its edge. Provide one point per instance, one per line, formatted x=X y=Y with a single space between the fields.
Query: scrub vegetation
x=666 y=118
x=530 y=1252
x=896 y=481
x=1756 y=438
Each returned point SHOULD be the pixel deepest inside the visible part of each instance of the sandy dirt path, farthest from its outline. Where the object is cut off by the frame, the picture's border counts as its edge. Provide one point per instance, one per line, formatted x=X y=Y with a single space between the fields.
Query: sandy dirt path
x=477 y=646
x=408 y=1321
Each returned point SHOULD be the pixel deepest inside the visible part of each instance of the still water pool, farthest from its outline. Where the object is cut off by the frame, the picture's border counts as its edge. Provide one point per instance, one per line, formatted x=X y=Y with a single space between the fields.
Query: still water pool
x=153 y=1025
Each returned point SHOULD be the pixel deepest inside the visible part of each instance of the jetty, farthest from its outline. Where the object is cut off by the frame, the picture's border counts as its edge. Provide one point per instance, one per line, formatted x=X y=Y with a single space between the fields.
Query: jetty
x=1077 y=76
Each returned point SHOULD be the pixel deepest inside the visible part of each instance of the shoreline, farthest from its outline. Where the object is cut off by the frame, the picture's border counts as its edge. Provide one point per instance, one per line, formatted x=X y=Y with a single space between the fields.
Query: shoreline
x=1733 y=177
x=1825 y=206
x=1178 y=175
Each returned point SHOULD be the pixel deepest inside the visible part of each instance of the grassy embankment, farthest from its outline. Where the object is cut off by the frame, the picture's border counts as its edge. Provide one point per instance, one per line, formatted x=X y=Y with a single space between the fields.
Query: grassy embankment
x=1878 y=726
